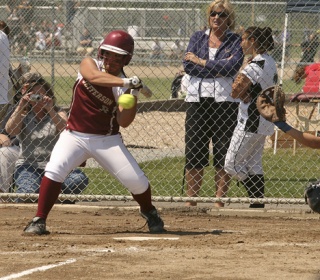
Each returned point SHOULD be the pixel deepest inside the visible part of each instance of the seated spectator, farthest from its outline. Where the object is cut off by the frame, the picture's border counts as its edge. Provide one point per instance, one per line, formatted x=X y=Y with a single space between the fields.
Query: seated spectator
x=9 y=146
x=4 y=67
x=9 y=153
x=46 y=27
x=37 y=122
x=33 y=28
x=40 y=43
x=177 y=50
x=11 y=4
x=55 y=37
x=311 y=74
x=85 y=48
x=13 y=15
x=23 y=41
x=157 y=50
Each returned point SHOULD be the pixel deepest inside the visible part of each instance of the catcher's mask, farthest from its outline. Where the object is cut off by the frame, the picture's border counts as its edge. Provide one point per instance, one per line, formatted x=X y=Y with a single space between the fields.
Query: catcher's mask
x=120 y=42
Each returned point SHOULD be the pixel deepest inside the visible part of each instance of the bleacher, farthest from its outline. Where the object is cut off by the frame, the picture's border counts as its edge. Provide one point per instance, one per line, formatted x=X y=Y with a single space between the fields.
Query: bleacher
x=143 y=48
x=151 y=21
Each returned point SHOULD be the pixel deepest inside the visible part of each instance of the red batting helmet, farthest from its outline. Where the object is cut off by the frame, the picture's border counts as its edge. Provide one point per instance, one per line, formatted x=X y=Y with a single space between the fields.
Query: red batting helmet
x=118 y=41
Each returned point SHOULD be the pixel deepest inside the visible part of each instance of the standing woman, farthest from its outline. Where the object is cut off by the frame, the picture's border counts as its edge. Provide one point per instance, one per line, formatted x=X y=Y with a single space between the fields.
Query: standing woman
x=244 y=157
x=213 y=58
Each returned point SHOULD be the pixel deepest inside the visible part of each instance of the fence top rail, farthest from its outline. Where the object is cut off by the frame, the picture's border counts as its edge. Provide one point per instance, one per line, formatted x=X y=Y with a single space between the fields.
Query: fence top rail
x=139 y=9
x=190 y=1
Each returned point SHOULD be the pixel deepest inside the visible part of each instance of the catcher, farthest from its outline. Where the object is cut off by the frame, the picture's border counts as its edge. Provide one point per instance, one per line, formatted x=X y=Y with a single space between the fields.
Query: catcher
x=270 y=104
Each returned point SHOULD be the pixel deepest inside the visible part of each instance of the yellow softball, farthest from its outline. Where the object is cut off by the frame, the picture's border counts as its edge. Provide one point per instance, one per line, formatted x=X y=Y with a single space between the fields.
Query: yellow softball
x=126 y=101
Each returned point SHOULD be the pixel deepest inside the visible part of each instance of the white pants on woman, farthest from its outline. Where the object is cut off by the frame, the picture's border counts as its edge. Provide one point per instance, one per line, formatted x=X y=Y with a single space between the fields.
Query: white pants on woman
x=244 y=156
x=8 y=157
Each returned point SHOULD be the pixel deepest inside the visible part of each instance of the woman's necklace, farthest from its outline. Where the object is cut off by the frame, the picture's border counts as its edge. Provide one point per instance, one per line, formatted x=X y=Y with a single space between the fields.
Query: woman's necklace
x=214 y=42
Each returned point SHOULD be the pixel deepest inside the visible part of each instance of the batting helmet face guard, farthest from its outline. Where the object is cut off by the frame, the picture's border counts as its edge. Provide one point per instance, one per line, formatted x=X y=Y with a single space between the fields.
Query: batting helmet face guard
x=120 y=42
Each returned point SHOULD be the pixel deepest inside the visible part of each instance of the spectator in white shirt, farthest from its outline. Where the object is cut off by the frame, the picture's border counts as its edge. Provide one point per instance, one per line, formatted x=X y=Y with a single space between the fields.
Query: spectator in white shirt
x=40 y=40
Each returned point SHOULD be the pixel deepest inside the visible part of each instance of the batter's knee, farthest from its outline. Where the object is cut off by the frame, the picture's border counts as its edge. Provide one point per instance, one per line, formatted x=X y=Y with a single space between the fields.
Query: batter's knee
x=58 y=172
x=55 y=176
x=136 y=185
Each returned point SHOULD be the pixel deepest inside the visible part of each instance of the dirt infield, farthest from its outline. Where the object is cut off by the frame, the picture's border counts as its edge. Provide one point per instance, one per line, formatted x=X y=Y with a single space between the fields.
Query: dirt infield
x=100 y=242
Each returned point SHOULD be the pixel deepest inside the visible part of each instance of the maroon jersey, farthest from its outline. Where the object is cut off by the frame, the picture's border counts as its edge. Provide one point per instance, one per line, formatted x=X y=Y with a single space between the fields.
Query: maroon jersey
x=93 y=109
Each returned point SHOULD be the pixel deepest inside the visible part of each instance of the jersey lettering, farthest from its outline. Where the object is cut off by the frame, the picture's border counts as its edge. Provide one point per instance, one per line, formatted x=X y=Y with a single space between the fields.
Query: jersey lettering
x=107 y=101
x=104 y=109
x=93 y=109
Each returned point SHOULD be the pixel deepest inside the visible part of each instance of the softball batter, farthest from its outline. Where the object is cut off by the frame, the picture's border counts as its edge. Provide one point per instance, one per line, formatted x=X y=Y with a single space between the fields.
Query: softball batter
x=92 y=131
x=244 y=156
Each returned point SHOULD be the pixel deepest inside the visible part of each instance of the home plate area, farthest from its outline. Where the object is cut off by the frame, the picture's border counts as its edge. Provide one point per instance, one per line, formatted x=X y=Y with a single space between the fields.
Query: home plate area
x=100 y=242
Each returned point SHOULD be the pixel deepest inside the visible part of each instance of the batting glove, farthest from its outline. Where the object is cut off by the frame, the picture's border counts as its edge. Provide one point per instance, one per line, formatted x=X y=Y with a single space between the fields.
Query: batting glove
x=133 y=82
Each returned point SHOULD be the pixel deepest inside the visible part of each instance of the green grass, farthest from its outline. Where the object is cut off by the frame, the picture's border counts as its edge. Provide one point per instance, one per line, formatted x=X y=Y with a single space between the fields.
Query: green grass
x=290 y=87
x=286 y=176
x=63 y=89
x=161 y=88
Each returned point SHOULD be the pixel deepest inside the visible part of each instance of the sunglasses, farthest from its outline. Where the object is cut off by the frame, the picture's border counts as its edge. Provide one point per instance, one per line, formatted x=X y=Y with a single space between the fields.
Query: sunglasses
x=220 y=14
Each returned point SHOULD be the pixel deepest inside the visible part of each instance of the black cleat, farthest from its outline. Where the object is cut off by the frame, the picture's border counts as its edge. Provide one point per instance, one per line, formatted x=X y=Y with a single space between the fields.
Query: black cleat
x=155 y=223
x=36 y=226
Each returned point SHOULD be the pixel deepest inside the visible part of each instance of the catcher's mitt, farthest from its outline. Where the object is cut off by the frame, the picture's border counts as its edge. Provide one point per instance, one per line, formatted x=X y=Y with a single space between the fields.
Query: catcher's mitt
x=270 y=104
x=312 y=196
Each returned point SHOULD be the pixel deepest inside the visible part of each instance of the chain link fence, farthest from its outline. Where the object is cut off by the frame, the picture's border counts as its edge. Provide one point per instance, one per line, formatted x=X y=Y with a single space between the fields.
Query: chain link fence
x=156 y=138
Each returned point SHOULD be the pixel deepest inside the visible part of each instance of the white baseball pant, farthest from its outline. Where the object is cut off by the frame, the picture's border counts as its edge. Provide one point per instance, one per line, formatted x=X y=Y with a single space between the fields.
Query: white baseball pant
x=73 y=148
x=8 y=157
x=244 y=156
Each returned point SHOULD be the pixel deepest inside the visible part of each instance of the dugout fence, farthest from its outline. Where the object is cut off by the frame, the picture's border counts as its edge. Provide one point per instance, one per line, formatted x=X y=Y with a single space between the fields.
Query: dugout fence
x=156 y=138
